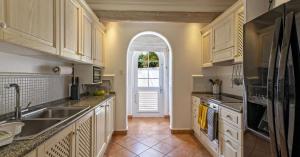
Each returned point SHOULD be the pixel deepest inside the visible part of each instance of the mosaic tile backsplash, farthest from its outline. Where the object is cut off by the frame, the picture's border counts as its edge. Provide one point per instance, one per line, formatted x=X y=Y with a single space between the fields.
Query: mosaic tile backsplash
x=34 y=88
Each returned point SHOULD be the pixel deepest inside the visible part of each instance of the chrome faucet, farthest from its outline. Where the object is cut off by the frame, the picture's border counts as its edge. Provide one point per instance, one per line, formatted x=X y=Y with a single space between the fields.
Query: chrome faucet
x=18 y=112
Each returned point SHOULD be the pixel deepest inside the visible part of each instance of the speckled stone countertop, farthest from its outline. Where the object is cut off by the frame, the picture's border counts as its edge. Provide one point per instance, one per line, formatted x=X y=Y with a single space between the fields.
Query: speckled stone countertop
x=21 y=148
x=236 y=106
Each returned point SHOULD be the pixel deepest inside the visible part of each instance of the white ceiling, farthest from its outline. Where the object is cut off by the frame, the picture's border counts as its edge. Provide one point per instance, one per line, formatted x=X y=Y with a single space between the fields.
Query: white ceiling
x=162 y=5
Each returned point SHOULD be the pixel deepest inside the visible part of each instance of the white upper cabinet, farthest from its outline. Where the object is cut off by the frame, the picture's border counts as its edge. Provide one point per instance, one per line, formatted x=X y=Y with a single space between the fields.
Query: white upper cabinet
x=87 y=27
x=223 y=33
x=70 y=29
x=227 y=37
x=207 y=48
x=239 y=35
x=98 y=51
x=31 y=23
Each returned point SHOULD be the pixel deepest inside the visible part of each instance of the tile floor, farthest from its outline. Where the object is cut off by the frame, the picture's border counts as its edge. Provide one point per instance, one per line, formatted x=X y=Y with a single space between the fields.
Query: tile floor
x=151 y=137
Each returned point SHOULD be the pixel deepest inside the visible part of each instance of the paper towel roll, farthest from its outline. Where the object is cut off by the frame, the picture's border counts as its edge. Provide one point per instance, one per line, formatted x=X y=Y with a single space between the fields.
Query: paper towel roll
x=63 y=70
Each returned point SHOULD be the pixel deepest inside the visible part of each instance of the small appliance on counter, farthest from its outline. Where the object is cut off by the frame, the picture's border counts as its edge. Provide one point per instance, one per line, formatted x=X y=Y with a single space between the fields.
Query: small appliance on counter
x=75 y=91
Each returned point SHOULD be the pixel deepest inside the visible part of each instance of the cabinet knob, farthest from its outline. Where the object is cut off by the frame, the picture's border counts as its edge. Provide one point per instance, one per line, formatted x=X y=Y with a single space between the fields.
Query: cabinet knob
x=3 y=25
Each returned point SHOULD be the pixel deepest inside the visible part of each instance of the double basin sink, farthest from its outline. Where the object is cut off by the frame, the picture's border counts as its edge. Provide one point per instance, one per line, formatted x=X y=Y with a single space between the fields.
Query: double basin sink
x=42 y=120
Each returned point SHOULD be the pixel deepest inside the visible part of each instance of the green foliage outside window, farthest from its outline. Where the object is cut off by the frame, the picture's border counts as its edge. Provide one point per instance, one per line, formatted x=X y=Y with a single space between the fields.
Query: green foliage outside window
x=149 y=59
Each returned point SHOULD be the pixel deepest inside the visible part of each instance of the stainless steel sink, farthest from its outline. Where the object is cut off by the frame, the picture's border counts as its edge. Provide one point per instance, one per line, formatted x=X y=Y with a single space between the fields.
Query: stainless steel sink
x=53 y=113
x=33 y=128
x=40 y=121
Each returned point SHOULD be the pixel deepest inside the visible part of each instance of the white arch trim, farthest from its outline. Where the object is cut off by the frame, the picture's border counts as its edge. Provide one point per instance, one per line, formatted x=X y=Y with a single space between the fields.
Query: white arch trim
x=170 y=69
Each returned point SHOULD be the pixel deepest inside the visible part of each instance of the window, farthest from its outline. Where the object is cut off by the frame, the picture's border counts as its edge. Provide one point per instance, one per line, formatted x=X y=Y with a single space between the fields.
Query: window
x=148 y=70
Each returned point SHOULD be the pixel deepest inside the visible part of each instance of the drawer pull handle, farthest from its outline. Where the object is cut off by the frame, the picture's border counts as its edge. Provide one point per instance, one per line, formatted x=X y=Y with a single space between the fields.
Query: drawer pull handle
x=229 y=117
x=230 y=144
x=229 y=132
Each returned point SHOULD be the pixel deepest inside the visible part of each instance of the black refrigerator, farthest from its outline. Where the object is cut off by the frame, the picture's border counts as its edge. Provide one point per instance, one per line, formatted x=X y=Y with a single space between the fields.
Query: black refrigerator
x=272 y=83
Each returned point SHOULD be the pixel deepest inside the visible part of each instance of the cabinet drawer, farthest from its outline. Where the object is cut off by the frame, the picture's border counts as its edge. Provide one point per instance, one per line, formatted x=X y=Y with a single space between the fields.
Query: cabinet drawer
x=229 y=148
x=230 y=131
x=195 y=100
x=231 y=117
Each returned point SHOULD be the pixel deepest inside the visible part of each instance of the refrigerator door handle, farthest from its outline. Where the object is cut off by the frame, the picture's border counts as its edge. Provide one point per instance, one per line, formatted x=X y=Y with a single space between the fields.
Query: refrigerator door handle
x=286 y=43
x=277 y=38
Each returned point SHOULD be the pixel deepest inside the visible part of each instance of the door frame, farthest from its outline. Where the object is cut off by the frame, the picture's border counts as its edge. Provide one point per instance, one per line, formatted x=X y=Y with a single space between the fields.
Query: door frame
x=135 y=111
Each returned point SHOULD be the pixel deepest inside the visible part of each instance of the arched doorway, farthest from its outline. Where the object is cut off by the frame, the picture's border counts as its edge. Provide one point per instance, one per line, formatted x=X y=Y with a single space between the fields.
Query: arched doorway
x=149 y=76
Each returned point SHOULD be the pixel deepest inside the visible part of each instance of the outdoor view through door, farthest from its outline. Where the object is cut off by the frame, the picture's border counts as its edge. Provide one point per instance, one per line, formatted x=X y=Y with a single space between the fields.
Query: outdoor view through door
x=148 y=83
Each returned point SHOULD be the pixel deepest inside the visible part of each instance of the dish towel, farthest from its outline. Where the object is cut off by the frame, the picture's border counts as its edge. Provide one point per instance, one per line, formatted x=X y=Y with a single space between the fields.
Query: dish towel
x=200 y=109
x=203 y=125
x=212 y=124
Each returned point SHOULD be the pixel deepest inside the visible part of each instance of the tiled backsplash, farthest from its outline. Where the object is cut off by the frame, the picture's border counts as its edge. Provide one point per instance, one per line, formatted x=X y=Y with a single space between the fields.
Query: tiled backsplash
x=34 y=88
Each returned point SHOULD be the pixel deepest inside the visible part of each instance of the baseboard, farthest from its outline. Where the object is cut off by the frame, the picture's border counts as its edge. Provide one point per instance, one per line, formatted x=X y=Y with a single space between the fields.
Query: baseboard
x=167 y=116
x=120 y=132
x=130 y=116
x=182 y=131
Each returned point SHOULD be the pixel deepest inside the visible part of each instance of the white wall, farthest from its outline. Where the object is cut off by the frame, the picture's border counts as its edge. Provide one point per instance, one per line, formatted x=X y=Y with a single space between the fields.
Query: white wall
x=185 y=43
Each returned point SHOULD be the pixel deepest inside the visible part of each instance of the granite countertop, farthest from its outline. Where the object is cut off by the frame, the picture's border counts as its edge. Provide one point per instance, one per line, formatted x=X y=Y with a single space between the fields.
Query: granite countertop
x=21 y=148
x=235 y=106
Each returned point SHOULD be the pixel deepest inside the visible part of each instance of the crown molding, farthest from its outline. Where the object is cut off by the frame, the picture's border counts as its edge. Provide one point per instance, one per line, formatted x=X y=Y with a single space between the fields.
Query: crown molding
x=172 y=6
x=188 y=17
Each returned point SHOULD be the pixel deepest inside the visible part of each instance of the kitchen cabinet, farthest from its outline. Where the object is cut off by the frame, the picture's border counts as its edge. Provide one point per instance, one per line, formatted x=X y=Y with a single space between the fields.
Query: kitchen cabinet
x=109 y=118
x=32 y=154
x=98 y=51
x=84 y=136
x=239 y=35
x=226 y=37
x=70 y=37
x=223 y=35
x=100 y=139
x=62 y=144
x=87 y=30
x=207 y=48
x=230 y=133
x=31 y=23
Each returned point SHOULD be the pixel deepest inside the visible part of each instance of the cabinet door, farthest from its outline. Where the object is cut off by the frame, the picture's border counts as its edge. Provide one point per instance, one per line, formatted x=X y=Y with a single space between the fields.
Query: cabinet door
x=87 y=24
x=109 y=119
x=31 y=23
x=62 y=144
x=207 y=49
x=239 y=31
x=196 y=126
x=223 y=33
x=98 y=45
x=71 y=29
x=100 y=140
x=84 y=136
x=32 y=154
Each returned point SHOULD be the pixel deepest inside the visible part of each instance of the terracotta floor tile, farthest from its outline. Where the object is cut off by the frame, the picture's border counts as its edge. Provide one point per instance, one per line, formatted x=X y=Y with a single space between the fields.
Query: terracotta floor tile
x=138 y=148
x=163 y=148
x=151 y=137
x=113 y=147
x=151 y=153
x=127 y=142
x=122 y=153
x=150 y=141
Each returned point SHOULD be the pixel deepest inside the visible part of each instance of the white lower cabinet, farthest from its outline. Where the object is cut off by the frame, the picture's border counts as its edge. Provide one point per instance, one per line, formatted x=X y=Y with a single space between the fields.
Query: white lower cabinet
x=62 y=144
x=85 y=136
x=109 y=118
x=230 y=142
x=100 y=140
x=229 y=148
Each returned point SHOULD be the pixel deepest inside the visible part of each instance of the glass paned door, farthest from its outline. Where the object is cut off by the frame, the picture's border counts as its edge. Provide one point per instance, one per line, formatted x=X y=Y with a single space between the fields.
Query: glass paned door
x=148 y=83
